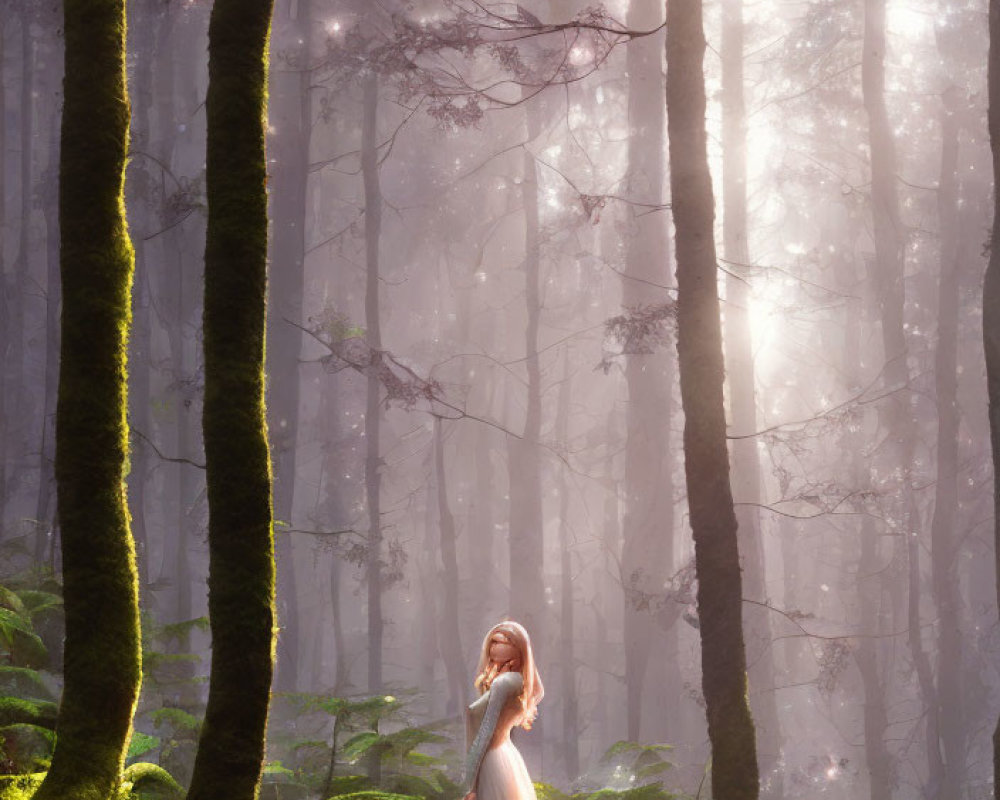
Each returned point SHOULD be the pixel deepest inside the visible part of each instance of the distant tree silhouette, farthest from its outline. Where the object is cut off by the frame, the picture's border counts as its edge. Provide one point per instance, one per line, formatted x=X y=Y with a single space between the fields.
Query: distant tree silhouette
x=102 y=656
x=991 y=314
x=240 y=532
x=706 y=459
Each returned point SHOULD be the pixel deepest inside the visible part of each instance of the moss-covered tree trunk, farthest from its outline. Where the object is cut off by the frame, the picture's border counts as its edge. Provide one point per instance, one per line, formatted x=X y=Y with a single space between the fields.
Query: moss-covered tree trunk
x=706 y=459
x=240 y=532
x=102 y=657
x=991 y=316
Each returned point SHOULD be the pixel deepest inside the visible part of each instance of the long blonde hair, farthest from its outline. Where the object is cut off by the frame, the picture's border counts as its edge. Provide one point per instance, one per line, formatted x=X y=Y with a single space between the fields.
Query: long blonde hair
x=533 y=690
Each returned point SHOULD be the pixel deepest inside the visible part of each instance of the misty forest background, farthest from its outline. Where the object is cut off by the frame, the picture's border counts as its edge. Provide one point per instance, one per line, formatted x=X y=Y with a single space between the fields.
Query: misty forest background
x=476 y=327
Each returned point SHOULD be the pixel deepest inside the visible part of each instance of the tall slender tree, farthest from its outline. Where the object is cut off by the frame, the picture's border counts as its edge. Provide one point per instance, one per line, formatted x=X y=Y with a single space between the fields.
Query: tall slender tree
x=896 y=415
x=744 y=457
x=448 y=625
x=373 y=475
x=527 y=584
x=49 y=191
x=240 y=530
x=947 y=717
x=706 y=459
x=648 y=527
x=102 y=654
x=991 y=316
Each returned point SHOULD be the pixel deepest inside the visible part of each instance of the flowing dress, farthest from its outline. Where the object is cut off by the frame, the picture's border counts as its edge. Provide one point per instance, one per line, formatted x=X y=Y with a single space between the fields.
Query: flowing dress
x=494 y=767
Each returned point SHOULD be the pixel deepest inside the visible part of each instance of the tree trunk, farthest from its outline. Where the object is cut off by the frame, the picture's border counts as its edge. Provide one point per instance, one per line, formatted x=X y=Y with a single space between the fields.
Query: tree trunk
x=527 y=583
x=451 y=642
x=291 y=116
x=102 y=652
x=744 y=458
x=706 y=459
x=944 y=544
x=648 y=530
x=4 y=289
x=49 y=191
x=17 y=410
x=867 y=658
x=240 y=530
x=567 y=649
x=333 y=514
x=897 y=416
x=991 y=317
x=373 y=477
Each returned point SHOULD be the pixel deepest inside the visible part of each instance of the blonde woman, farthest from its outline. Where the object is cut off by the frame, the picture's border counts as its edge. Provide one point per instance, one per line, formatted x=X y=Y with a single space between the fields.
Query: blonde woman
x=510 y=689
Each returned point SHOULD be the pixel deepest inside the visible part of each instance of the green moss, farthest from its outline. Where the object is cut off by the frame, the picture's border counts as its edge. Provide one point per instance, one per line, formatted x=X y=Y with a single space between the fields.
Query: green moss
x=238 y=471
x=177 y=718
x=546 y=791
x=102 y=656
x=374 y=795
x=151 y=781
x=19 y=787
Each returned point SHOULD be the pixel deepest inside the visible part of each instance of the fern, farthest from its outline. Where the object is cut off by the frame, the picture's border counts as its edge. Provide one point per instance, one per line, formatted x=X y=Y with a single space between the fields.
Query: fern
x=35 y=601
x=178 y=630
x=24 y=683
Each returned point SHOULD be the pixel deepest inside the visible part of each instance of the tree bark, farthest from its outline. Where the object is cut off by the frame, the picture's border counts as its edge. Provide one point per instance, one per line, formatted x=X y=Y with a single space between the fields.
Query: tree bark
x=102 y=651
x=49 y=192
x=240 y=531
x=17 y=410
x=896 y=415
x=706 y=458
x=567 y=640
x=4 y=289
x=991 y=316
x=451 y=642
x=373 y=477
x=944 y=544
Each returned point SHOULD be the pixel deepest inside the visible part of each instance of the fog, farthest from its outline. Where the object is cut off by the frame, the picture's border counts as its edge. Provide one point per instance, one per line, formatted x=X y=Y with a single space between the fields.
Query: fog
x=472 y=376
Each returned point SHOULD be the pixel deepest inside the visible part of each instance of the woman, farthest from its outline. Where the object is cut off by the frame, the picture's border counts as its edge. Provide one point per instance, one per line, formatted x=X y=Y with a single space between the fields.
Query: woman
x=510 y=690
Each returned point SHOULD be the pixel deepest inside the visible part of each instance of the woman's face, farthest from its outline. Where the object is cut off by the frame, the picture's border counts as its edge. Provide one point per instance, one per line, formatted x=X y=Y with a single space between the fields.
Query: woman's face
x=504 y=657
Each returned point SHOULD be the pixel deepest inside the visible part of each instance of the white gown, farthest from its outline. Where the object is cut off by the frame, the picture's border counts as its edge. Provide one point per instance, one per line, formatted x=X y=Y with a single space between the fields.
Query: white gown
x=494 y=767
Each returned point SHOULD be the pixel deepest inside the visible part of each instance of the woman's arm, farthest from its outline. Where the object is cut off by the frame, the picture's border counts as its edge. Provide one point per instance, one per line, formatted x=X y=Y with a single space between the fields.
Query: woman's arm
x=476 y=710
x=503 y=686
